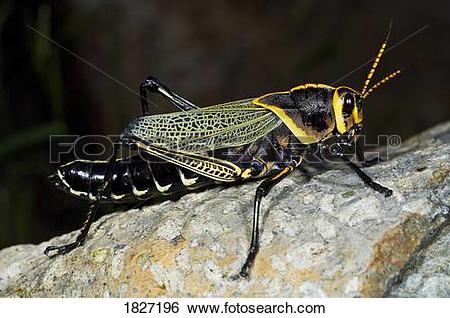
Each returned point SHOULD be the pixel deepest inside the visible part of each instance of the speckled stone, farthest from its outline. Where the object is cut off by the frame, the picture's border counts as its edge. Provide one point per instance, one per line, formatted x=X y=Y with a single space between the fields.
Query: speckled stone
x=324 y=236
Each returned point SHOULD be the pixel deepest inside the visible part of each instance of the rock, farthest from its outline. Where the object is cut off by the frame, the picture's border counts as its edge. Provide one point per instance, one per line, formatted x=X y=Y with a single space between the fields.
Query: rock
x=327 y=235
x=431 y=275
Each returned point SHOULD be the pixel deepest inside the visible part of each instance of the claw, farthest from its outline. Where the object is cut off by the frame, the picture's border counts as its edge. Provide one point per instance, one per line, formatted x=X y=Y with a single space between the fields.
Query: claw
x=61 y=249
x=387 y=192
x=244 y=273
x=234 y=277
x=379 y=188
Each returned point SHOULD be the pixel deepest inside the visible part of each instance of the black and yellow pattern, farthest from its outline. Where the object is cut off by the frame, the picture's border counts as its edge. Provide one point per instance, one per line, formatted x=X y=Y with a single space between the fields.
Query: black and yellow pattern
x=264 y=137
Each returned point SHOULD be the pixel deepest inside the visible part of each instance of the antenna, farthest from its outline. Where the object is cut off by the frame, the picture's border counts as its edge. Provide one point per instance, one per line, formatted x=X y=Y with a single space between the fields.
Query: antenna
x=384 y=80
x=376 y=61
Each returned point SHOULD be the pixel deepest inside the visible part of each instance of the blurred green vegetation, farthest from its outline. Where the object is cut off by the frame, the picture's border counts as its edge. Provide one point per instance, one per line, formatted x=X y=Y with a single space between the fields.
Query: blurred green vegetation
x=210 y=52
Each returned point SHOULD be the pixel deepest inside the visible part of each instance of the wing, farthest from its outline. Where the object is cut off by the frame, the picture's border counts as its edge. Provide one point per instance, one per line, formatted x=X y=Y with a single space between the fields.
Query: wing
x=225 y=125
x=216 y=169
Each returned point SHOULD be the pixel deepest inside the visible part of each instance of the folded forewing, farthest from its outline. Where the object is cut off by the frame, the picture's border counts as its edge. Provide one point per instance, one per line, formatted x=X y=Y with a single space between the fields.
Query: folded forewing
x=216 y=169
x=220 y=126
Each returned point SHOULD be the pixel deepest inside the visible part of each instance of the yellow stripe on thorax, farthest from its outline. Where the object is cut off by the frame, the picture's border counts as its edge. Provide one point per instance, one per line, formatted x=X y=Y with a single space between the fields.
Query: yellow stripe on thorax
x=298 y=132
x=311 y=85
x=338 y=105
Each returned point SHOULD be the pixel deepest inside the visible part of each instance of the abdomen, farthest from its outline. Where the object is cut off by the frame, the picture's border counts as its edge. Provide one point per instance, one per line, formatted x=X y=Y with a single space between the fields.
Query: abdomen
x=133 y=179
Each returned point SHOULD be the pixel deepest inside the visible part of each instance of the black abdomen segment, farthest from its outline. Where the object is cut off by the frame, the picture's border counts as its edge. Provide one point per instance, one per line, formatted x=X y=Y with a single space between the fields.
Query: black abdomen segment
x=133 y=179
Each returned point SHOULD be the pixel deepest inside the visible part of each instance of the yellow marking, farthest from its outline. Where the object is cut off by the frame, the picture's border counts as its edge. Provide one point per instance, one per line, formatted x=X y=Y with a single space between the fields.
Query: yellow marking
x=246 y=173
x=355 y=115
x=213 y=168
x=283 y=172
x=266 y=166
x=338 y=104
x=384 y=80
x=160 y=187
x=299 y=133
x=117 y=197
x=374 y=65
x=186 y=182
x=349 y=88
x=137 y=192
x=311 y=85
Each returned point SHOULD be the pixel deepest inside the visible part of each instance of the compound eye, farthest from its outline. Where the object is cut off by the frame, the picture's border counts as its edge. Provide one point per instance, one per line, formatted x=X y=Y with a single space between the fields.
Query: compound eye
x=348 y=104
x=358 y=101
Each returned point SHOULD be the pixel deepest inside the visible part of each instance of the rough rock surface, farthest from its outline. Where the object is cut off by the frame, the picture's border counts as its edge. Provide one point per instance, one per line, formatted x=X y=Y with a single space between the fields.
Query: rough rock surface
x=431 y=275
x=327 y=235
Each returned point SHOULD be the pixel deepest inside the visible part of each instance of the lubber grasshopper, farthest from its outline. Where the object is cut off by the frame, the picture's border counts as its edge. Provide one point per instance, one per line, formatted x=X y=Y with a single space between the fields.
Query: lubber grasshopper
x=255 y=138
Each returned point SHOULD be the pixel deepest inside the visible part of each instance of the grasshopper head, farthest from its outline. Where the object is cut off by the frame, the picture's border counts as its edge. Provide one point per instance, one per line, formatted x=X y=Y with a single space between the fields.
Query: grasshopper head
x=347 y=106
x=347 y=102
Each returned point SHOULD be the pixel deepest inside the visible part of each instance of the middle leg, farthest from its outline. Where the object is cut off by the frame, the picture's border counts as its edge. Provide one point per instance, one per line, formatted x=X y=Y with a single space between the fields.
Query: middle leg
x=262 y=190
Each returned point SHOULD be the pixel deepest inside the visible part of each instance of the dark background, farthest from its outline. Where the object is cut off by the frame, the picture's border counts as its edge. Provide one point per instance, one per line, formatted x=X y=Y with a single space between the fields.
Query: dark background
x=210 y=52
